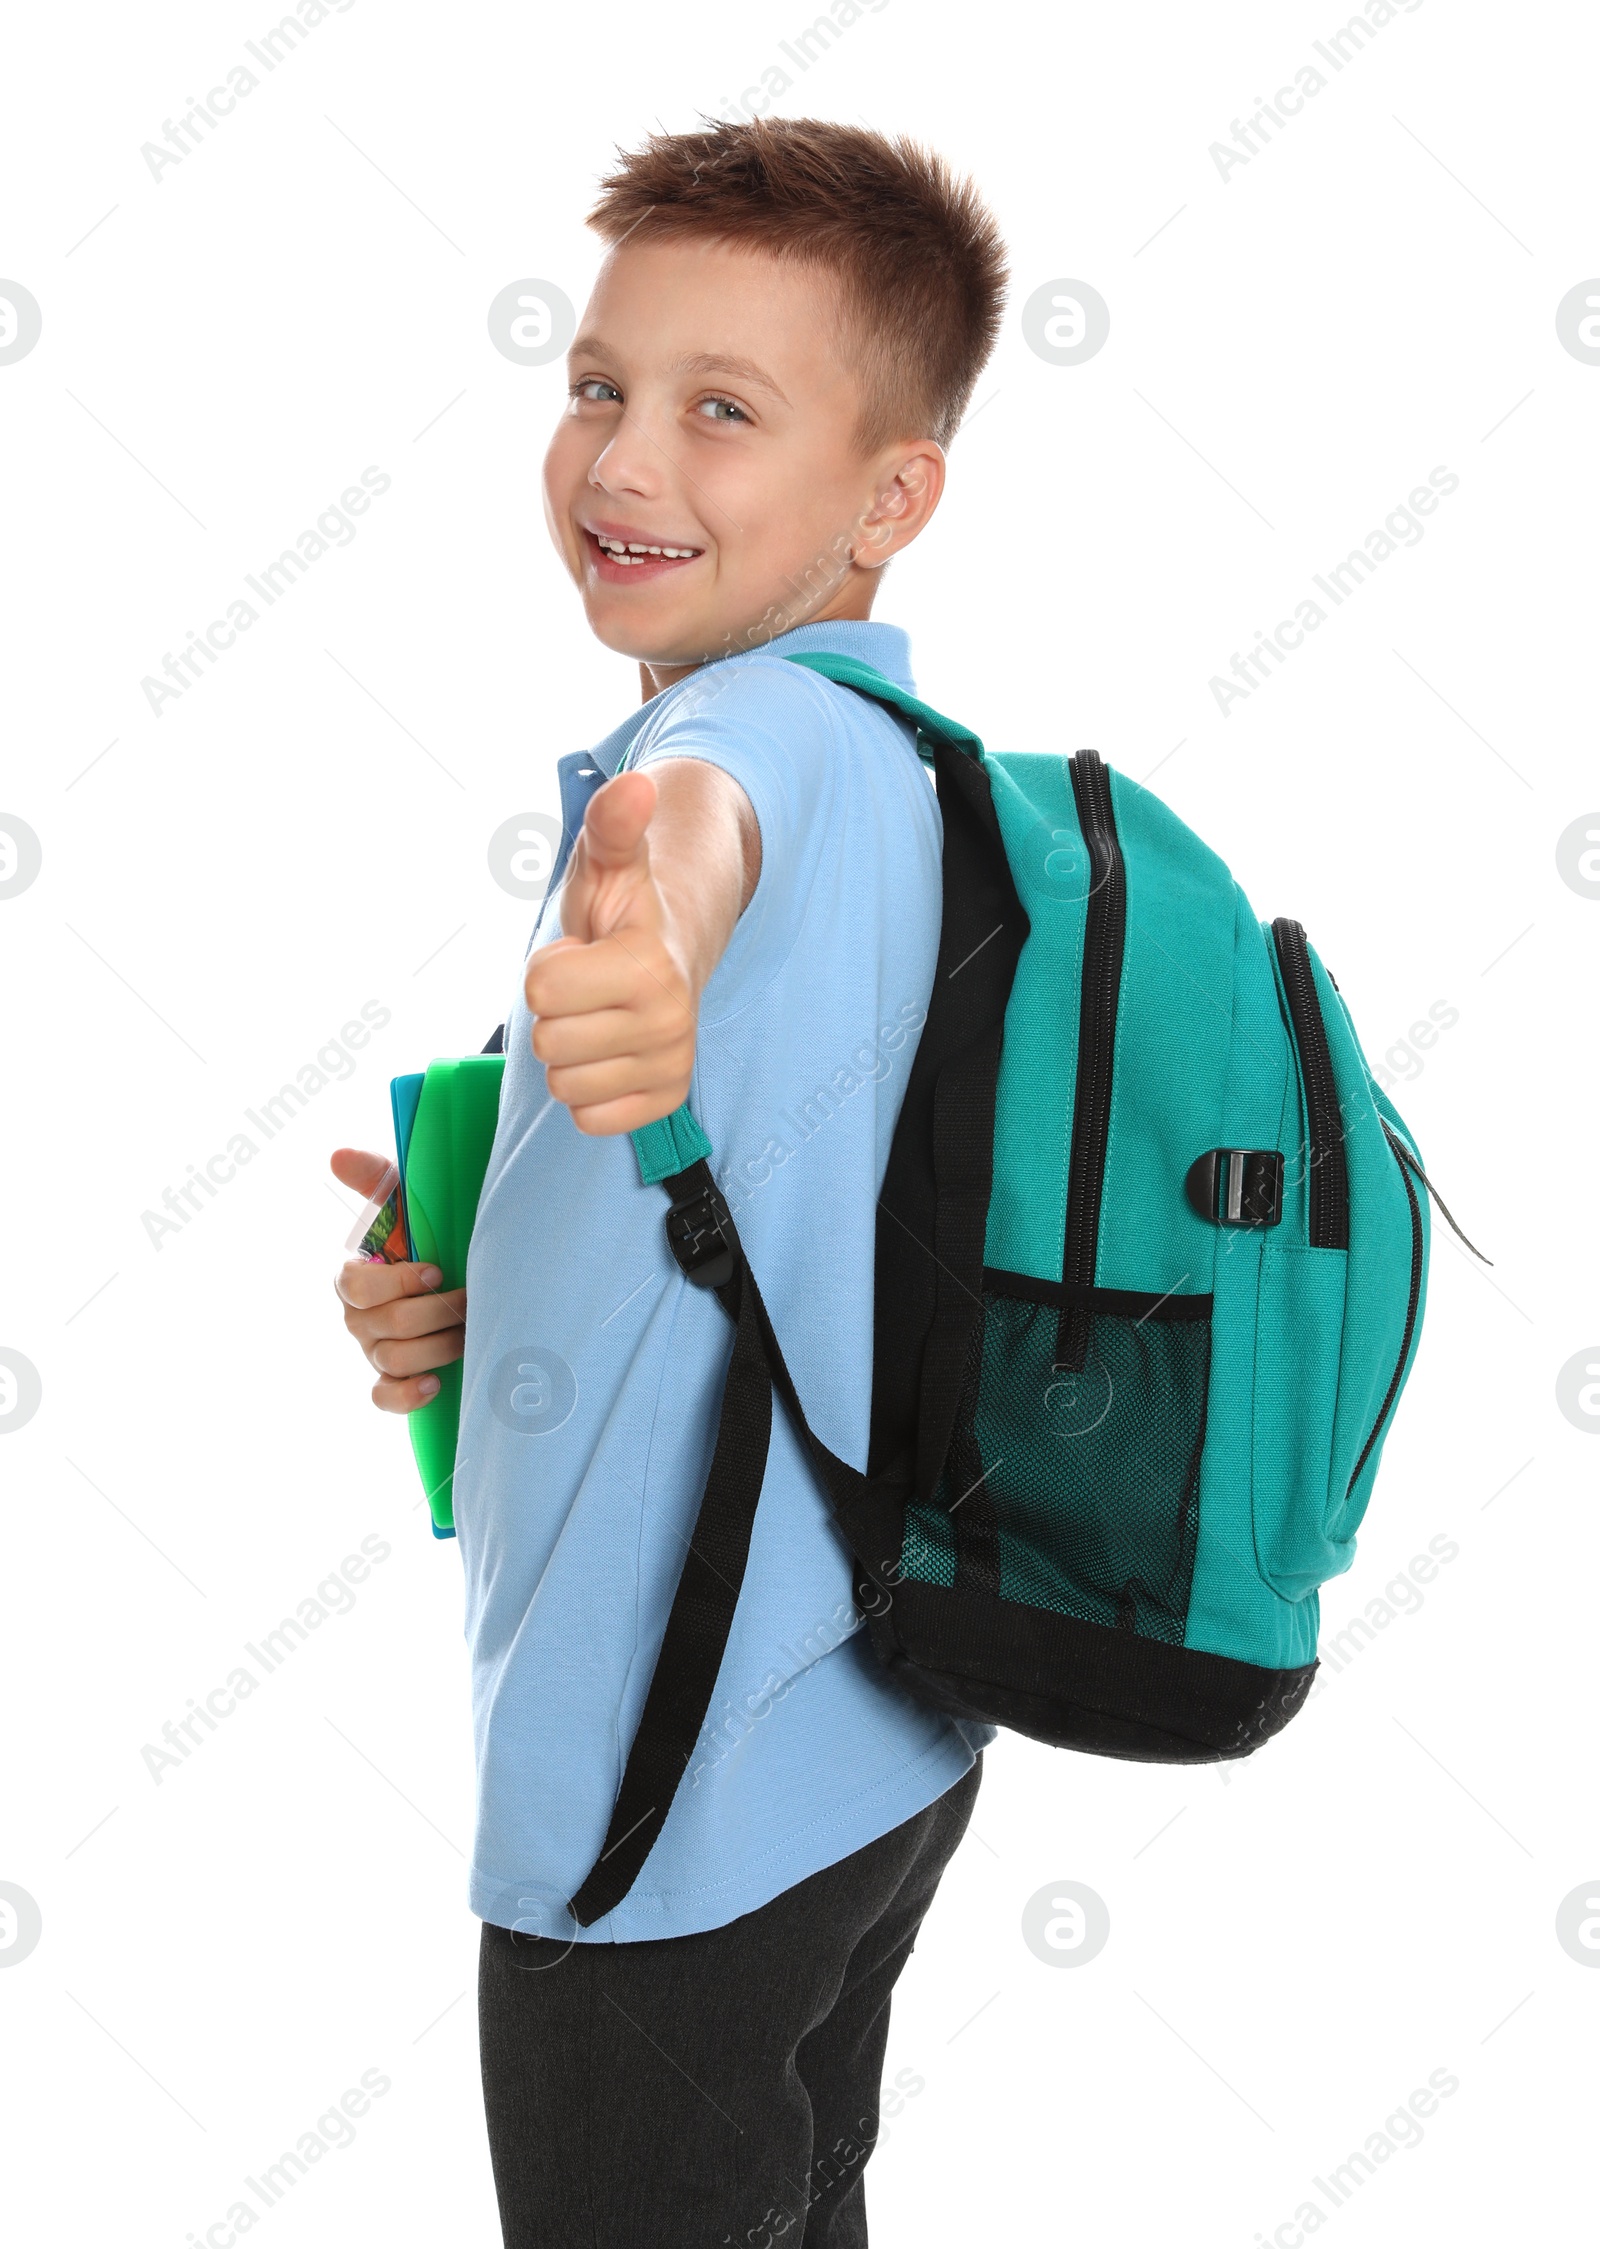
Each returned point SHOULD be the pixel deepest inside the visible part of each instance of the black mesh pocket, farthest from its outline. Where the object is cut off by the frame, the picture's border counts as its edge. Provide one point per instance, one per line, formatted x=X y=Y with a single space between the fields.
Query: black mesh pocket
x=1074 y=1492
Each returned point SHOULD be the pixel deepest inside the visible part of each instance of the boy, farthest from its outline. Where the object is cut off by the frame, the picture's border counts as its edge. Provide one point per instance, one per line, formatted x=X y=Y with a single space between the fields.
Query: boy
x=781 y=342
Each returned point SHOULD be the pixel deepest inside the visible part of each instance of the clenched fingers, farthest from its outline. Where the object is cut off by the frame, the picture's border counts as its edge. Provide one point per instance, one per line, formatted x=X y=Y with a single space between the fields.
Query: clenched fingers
x=409 y=1317
x=402 y=1357
x=391 y=1396
x=364 y=1283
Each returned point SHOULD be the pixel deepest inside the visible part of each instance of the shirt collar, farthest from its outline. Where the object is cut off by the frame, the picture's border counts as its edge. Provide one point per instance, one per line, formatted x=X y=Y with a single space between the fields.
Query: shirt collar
x=887 y=648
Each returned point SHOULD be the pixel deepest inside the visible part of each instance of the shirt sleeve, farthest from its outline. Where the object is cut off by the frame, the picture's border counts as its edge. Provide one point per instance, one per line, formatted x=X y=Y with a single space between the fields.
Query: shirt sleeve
x=773 y=726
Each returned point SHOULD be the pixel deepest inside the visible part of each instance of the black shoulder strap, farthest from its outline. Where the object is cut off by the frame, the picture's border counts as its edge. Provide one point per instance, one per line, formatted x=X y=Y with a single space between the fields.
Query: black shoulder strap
x=701 y=1232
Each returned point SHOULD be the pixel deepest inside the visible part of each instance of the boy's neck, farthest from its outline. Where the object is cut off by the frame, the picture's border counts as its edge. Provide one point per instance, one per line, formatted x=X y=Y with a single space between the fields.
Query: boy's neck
x=851 y=603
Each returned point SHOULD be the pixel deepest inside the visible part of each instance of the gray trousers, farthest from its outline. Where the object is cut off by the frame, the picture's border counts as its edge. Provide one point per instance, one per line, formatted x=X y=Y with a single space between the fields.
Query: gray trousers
x=717 y=2091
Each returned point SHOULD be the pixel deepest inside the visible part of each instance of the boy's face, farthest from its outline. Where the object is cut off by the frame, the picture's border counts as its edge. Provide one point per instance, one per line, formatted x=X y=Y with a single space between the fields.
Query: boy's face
x=714 y=412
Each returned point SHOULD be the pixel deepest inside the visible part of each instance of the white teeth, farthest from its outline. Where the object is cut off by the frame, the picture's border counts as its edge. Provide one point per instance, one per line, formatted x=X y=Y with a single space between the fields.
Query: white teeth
x=634 y=551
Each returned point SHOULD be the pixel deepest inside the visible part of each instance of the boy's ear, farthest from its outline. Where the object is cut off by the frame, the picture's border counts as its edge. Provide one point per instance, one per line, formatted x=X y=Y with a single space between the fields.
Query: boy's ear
x=907 y=486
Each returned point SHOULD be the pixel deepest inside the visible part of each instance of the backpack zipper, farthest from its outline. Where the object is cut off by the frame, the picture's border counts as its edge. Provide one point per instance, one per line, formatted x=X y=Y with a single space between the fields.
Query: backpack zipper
x=1400 y=1155
x=1328 y=1182
x=1105 y=925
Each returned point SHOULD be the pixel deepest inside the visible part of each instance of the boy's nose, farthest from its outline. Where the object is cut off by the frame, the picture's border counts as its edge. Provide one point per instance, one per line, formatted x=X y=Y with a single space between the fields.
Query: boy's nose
x=634 y=461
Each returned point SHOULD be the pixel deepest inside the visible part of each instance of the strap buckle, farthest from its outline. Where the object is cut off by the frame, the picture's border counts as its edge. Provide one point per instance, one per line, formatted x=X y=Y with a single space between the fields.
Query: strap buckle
x=701 y=1237
x=1237 y=1186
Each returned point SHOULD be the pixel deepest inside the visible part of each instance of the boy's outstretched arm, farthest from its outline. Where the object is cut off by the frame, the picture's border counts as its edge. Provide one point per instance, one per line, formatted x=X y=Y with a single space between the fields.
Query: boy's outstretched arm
x=666 y=862
x=665 y=865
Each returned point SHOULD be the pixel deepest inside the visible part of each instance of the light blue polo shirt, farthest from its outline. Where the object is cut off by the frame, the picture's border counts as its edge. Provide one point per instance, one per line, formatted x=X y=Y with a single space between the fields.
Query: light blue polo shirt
x=594 y=1369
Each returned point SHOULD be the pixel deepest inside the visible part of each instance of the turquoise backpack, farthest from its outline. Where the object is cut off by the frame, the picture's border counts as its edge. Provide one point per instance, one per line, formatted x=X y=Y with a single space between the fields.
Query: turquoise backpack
x=1151 y=1259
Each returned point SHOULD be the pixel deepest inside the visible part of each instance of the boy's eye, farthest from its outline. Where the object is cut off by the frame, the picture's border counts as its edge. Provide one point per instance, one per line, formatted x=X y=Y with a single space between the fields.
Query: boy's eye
x=721 y=410
x=594 y=390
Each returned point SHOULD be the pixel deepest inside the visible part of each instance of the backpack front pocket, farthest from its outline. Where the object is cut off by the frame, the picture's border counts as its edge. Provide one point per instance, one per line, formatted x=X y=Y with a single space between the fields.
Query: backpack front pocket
x=1075 y=1489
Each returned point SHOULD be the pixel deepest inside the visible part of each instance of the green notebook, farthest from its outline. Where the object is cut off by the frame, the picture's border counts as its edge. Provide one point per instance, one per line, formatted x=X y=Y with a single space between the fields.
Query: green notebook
x=443 y=1165
x=445 y=1123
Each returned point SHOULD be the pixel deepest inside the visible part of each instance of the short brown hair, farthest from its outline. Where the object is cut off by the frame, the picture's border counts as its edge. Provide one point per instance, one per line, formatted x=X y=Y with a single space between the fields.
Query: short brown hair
x=917 y=257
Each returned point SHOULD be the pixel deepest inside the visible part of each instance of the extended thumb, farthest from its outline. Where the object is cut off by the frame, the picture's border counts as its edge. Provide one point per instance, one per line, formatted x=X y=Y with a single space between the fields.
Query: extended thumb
x=617 y=820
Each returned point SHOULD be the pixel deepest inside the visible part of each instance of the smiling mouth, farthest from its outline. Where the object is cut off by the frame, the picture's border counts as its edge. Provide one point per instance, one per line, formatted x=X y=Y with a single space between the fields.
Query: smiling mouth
x=615 y=557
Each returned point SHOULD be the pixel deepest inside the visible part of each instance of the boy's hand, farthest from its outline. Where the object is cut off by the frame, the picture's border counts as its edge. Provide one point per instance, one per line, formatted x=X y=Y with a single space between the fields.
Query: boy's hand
x=657 y=880
x=402 y=1319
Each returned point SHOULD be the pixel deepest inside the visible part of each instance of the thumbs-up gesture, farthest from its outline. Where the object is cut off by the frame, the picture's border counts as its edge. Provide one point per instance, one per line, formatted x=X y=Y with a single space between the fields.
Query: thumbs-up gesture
x=658 y=878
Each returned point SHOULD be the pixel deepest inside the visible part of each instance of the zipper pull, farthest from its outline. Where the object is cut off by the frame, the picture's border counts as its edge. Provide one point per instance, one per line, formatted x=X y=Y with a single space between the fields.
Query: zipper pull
x=1409 y=1160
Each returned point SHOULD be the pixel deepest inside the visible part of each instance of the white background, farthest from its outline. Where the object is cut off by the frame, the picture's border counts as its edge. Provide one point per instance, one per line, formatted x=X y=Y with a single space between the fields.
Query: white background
x=1295 y=1944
